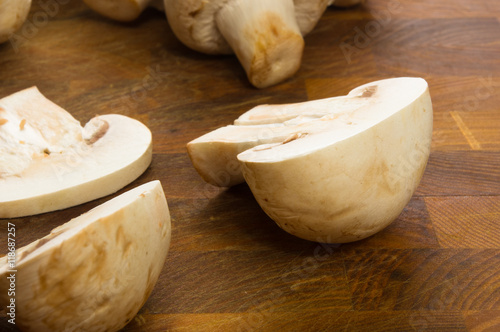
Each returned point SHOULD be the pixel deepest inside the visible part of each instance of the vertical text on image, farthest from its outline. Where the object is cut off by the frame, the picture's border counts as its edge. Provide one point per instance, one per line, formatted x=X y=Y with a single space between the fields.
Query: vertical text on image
x=11 y=272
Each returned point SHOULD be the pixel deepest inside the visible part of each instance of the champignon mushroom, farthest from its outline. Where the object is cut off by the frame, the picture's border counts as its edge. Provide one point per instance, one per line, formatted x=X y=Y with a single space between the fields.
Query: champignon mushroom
x=13 y=13
x=331 y=170
x=49 y=162
x=123 y=10
x=266 y=36
x=94 y=272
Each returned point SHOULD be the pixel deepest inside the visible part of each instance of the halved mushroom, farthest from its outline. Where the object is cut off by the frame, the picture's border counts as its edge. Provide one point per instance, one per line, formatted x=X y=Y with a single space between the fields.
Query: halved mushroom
x=94 y=272
x=123 y=10
x=49 y=162
x=331 y=170
x=13 y=13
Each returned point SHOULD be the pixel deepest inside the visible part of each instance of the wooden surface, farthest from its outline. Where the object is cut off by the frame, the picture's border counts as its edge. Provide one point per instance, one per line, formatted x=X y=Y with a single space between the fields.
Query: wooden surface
x=230 y=268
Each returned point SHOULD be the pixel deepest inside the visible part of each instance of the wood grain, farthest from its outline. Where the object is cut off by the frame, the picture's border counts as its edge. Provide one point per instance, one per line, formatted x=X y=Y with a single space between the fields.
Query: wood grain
x=230 y=268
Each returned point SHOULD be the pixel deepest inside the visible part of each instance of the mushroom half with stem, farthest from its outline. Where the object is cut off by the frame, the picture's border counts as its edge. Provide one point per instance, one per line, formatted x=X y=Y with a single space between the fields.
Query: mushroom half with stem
x=331 y=170
x=49 y=162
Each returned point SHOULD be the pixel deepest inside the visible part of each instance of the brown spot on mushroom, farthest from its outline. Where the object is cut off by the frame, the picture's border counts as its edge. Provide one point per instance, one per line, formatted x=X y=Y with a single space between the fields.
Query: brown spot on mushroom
x=193 y=13
x=22 y=124
x=3 y=121
x=38 y=244
x=95 y=130
x=121 y=238
x=369 y=91
x=270 y=48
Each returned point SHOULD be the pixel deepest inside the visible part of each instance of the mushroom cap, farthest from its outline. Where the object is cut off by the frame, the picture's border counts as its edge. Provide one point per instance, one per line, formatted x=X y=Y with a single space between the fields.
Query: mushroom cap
x=49 y=162
x=96 y=271
x=308 y=13
x=332 y=170
x=193 y=22
x=13 y=13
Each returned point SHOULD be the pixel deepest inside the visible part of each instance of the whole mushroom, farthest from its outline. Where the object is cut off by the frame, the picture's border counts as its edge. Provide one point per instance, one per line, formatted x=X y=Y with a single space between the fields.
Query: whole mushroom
x=266 y=36
x=13 y=13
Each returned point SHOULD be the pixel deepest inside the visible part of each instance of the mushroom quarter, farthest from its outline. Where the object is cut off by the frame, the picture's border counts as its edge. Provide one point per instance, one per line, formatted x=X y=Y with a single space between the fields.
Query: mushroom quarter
x=96 y=271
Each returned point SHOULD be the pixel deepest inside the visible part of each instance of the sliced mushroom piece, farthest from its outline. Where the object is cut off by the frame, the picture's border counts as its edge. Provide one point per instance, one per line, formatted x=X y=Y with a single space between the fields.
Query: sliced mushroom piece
x=94 y=272
x=349 y=165
x=214 y=154
x=13 y=13
x=49 y=162
x=123 y=10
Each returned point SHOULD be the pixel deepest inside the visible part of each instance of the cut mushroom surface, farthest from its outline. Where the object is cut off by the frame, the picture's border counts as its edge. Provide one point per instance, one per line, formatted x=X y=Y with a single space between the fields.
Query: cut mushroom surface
x=49 y=162
x=96 y=271
x=337 y=169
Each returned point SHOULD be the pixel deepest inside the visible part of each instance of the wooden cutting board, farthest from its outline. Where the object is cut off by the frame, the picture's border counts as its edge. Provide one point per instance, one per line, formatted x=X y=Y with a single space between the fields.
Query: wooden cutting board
x=230 y=268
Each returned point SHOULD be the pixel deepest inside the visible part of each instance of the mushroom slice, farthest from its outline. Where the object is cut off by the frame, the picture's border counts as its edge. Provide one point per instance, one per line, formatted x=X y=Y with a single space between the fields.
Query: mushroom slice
x=49 y=162
x=349 y=165
x=13 y=13
x=123 y=10
x=94 y=272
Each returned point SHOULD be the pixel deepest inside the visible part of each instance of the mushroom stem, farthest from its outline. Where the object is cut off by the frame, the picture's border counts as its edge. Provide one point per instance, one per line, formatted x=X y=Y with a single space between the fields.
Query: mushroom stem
x=265 y=37
x=122 y=10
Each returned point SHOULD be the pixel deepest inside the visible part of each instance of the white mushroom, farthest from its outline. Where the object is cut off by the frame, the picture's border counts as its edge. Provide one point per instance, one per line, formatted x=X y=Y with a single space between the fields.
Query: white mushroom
x=13 y=13
x=331 y=170
x=265 y=35
x=49 y=162
x=122 y=10
x=94 y=272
